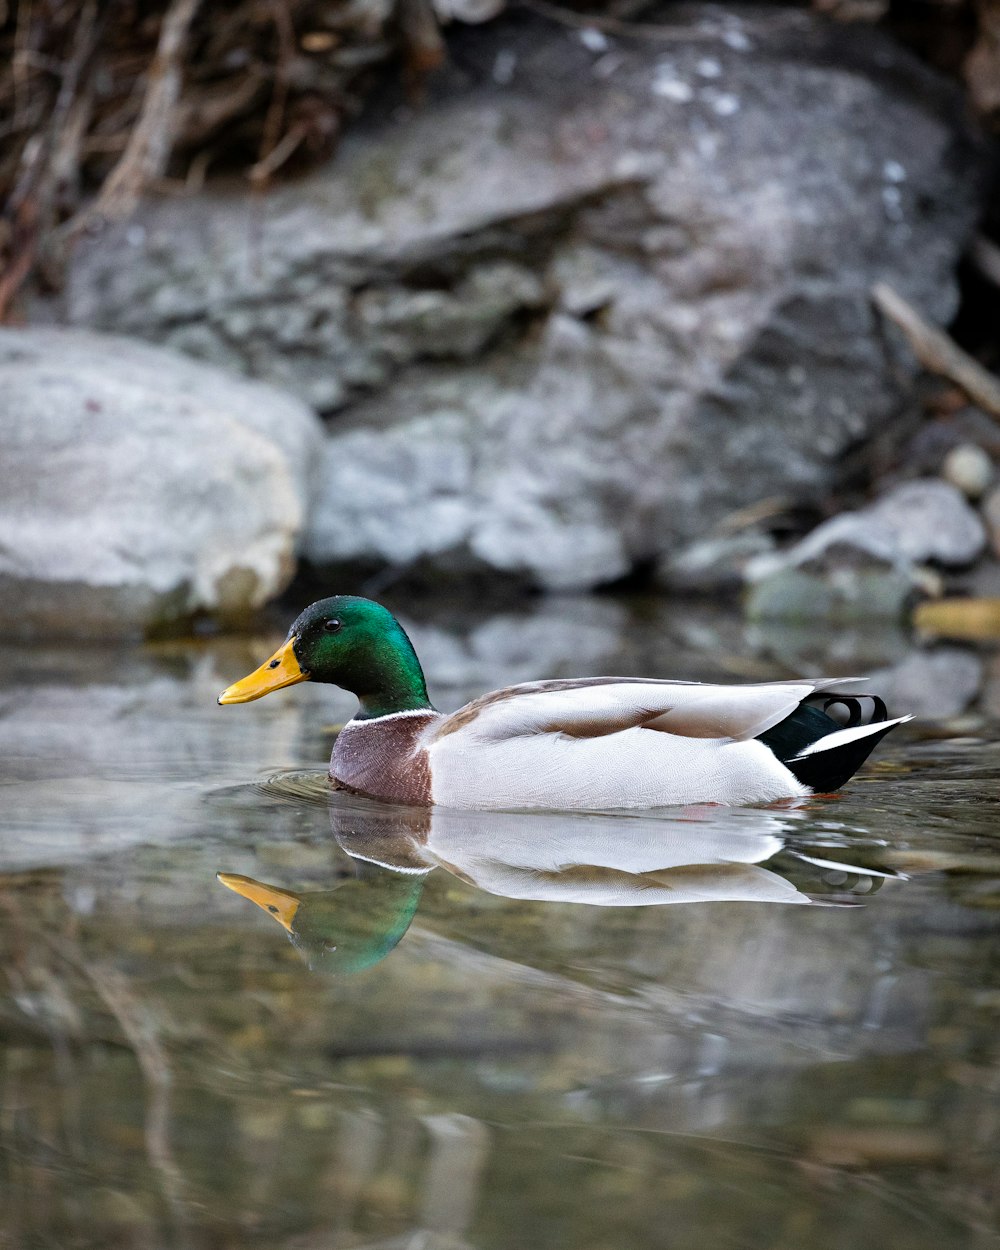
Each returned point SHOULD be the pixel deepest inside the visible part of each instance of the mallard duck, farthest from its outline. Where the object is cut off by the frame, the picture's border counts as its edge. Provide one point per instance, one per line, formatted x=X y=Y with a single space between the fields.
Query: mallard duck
x=586 y=744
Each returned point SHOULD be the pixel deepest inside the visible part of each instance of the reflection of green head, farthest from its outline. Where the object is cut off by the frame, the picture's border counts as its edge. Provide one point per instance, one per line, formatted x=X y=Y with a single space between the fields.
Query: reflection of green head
x=348 y=928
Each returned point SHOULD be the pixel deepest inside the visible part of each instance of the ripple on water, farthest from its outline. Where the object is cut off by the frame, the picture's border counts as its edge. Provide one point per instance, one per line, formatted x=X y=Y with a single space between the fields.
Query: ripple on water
x=302 y=786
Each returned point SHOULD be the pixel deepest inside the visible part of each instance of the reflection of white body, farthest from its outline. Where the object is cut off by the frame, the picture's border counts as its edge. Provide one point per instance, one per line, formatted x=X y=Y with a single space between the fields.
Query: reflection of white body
x=606 y=861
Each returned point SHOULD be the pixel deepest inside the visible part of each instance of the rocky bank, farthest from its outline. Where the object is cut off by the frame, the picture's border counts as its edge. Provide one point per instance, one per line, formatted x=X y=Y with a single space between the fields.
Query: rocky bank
x=591 y=297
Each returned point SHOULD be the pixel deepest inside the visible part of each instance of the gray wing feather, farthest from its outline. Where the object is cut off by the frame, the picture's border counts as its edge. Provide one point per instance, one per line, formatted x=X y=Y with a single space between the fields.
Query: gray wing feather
x=596 y=706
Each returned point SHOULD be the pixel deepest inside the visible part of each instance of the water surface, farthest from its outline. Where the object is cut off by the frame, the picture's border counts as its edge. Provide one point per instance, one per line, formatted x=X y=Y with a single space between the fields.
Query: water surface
x=700 y=1027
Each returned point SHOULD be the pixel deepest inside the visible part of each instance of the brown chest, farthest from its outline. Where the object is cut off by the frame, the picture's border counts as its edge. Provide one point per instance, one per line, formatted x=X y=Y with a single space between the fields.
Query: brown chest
x=382 y=758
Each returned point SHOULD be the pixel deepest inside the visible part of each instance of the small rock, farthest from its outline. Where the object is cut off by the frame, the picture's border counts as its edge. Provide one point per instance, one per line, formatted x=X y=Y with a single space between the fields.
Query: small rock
x=846 y=570
x=868 y=563
x=474 y=12
x=974 y=619
x=670 y=87
x=968 y=468
x=852 y=594
x=594 y=40
x=925 y=452
x=929 y=520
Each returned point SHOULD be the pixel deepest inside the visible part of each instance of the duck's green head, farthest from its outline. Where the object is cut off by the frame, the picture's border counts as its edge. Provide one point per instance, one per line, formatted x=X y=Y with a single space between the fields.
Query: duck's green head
x=349 y=642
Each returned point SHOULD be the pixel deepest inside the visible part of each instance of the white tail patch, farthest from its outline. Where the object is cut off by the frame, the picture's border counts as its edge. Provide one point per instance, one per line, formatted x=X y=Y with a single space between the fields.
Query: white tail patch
x=841 y=737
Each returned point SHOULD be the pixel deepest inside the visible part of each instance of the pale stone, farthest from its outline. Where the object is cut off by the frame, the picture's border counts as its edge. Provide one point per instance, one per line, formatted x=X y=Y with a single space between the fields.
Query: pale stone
x=929 y=520
x=138 y=487
x=968 y=468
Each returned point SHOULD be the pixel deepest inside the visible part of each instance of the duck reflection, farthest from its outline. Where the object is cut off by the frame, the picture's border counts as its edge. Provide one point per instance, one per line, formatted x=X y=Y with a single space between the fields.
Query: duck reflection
x=348 y=928
x=705 y=854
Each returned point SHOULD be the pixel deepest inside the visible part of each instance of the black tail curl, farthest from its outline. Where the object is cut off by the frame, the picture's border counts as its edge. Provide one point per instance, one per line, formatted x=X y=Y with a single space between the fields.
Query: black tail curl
x=852 y=703
x=827 y=770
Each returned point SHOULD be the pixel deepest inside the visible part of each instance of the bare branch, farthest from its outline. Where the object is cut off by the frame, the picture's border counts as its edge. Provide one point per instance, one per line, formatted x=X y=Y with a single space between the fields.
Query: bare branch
x=937 y=352
x=148 y=149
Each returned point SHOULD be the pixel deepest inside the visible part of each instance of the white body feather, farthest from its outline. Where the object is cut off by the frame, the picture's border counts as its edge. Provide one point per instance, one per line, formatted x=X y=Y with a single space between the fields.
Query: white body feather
x=630 y=768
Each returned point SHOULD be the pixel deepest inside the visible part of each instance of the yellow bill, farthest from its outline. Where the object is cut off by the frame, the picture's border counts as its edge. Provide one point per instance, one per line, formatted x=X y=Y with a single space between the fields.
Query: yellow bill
x=281 y=904
x=282 y=669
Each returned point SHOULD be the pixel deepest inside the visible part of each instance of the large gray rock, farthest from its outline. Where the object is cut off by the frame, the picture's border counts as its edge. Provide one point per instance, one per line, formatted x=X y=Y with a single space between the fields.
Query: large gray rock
x=583 y=303
x=138 y=487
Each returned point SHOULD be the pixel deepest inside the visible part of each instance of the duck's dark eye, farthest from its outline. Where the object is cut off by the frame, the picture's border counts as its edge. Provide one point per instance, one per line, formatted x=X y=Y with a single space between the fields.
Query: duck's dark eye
x=332 y=625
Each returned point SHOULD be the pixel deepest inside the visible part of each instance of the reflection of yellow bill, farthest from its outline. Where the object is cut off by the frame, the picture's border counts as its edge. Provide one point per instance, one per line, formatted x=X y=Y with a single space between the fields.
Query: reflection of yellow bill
x=281 y=904
x=282 y=669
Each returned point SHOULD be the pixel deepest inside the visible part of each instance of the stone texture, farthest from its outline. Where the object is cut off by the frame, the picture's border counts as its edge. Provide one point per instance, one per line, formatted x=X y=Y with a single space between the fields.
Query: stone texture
x=932 y=684
x=856 y=588
x=587 y=300
x=868 y=563
x=138 y=487
x=928 y=520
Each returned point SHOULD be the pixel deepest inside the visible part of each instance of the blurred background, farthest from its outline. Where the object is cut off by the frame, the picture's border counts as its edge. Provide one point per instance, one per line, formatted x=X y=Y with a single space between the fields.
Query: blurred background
x=487 y=299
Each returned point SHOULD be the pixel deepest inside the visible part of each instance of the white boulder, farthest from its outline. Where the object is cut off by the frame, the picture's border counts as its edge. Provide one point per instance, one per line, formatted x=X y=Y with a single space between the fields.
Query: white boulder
x=138 y=487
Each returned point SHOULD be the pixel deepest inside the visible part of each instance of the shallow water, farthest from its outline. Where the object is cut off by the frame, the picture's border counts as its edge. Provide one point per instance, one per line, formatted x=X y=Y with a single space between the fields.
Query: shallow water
x=694 y=1028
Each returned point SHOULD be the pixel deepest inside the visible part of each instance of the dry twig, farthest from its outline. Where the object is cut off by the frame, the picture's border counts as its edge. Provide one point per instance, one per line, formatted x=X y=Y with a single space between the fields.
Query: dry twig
x=102 y=100
x=149 y=144
x=275 y=116
x=937 y=352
